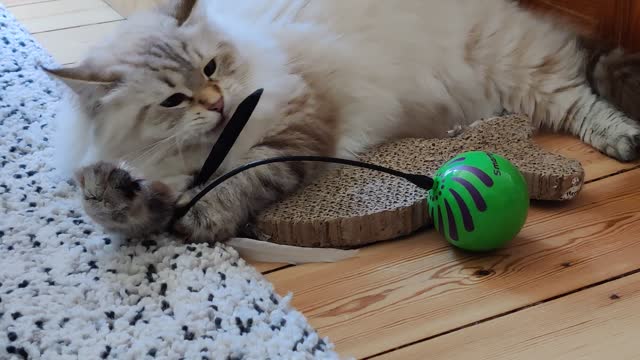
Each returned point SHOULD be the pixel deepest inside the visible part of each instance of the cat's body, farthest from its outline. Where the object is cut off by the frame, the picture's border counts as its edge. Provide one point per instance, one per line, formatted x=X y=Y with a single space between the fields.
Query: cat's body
x=339 y=77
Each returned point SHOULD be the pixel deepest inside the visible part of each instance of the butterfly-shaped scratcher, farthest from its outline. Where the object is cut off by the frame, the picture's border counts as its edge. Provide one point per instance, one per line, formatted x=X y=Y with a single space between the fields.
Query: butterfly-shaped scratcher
x=349 y=207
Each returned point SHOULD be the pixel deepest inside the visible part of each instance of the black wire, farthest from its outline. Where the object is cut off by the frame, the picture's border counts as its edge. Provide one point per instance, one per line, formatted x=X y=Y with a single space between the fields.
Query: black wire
x=228 y=137
x=421 y=181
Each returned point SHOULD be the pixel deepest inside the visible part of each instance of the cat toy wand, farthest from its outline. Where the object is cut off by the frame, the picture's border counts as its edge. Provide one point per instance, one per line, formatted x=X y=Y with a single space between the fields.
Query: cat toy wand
x=483 y=178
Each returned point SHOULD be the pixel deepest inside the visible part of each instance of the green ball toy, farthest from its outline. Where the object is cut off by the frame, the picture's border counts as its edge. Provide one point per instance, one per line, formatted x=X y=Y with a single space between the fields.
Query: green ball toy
x=479 y=201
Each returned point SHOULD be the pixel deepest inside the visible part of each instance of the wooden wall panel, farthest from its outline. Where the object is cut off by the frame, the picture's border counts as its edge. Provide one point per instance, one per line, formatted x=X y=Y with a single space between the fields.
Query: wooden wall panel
x=632 y=37
x=615 y=21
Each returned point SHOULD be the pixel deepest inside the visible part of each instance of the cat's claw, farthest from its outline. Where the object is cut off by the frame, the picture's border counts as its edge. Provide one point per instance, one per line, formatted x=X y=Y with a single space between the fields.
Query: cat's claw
x=456 y=131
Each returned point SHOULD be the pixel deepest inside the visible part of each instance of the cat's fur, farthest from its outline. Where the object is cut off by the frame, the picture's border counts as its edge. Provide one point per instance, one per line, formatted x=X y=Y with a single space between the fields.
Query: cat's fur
x=339 y=76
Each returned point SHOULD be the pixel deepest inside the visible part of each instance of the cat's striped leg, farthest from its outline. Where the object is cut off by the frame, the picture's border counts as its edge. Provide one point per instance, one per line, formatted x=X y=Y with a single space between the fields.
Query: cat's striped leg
x=577 y=110
x=601 y=125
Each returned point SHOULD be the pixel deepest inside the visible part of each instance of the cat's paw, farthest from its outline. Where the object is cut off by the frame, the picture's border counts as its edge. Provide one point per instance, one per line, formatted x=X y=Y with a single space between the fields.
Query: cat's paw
x=109 y=193
x=115 y=199
x=624 y=143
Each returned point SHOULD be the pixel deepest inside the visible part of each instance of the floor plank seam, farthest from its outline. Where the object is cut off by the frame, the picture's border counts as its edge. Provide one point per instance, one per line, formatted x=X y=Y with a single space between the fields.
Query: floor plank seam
x=114 y=9
x=27 y=4
x=619 y=172
x=77 y=26
x=507 y=313
x=277 y=269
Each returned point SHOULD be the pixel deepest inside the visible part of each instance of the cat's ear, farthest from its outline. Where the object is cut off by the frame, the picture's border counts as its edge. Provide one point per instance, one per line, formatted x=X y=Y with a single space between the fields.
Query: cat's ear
x=181 y=10
x=82 y=79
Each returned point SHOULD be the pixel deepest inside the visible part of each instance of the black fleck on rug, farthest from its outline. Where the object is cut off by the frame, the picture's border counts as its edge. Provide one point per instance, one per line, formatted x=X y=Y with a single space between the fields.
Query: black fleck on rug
x=69 y=291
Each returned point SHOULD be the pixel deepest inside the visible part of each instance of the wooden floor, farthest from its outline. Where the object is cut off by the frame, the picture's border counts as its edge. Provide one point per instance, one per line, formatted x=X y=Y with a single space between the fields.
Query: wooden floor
x=567 y=288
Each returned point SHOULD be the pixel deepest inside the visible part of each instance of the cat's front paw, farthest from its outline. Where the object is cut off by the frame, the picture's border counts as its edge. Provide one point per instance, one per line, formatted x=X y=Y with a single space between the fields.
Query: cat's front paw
x=115 y=199
x=623 y=141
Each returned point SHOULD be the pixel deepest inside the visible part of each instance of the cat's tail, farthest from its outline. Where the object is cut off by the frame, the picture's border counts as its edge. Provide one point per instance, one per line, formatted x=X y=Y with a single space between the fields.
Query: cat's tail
x=614 y=75
x=264 y=251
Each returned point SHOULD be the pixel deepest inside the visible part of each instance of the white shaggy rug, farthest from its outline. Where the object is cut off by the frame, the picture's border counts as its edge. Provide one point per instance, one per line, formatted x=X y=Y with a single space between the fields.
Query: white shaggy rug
x=69 y=291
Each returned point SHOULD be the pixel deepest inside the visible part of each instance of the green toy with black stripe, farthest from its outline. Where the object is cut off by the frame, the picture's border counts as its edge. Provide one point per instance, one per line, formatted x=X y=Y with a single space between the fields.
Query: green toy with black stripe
x=479 y=201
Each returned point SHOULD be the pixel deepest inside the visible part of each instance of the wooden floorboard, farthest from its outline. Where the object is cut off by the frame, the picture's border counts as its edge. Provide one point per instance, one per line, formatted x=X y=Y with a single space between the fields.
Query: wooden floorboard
x=400 y=292
x=598 y=323
x=127 y=7
x=14 y=3
x=62 y=14
x=596 y=166
x=69 y=45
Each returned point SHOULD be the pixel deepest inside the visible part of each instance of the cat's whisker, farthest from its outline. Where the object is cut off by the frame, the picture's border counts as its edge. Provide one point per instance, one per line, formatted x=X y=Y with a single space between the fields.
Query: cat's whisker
x=179 y=142
x=141 y=153
x=152 y=149
x=294 y=60
x=180 y=153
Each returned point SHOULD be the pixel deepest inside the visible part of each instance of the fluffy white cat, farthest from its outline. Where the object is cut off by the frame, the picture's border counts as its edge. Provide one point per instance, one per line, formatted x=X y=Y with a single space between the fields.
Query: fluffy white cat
x=339 y=76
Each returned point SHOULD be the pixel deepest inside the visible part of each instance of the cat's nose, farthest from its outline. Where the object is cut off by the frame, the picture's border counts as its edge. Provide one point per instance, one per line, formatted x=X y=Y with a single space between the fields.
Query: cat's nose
x=218 y=106
x=210 y=98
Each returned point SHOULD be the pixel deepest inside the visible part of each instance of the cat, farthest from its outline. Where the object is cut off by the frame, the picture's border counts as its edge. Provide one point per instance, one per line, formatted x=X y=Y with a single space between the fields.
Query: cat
x=339 y=77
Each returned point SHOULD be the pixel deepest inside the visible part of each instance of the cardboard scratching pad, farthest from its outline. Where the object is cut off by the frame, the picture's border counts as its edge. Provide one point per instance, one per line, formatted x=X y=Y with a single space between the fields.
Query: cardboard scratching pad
x=349 y=207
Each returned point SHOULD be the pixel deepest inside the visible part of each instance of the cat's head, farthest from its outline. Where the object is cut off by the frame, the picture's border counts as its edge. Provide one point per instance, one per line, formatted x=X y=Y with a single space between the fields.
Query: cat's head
x=173 y=76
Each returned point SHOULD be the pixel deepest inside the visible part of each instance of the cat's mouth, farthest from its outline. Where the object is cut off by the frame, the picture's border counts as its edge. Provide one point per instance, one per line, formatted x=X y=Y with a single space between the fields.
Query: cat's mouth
x=218 y=108
x=222 y=122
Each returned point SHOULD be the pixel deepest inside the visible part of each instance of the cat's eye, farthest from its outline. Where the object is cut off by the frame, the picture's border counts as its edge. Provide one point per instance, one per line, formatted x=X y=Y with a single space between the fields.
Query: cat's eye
x=174 y=100
x=210 y=68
